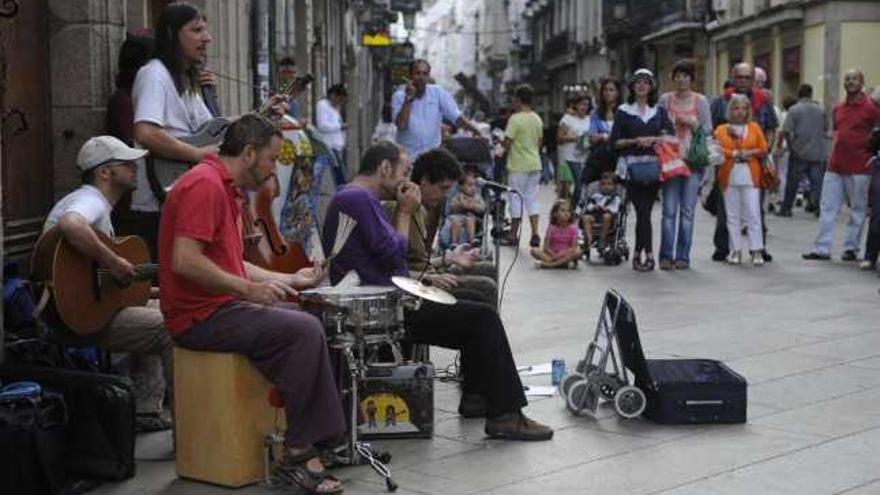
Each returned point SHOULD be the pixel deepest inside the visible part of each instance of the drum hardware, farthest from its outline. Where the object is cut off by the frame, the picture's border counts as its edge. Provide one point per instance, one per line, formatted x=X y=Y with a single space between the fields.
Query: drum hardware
x=419 y=288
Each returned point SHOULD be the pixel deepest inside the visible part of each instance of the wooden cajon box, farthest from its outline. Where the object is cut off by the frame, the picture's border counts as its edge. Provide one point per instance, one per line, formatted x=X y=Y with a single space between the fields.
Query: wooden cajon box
x=222 y=416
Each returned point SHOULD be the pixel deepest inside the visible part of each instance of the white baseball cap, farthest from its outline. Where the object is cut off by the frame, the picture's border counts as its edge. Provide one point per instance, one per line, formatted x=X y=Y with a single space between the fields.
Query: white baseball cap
x=102 y=149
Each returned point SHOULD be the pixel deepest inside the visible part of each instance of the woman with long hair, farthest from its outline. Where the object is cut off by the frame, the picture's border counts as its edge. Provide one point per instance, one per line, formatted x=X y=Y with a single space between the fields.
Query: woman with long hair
x=638 y=125
x=602 y=156
x=690 y=113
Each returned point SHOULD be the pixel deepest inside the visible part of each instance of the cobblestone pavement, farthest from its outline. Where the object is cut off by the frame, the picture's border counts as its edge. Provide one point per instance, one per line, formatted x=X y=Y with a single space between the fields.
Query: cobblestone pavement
x=804 y=333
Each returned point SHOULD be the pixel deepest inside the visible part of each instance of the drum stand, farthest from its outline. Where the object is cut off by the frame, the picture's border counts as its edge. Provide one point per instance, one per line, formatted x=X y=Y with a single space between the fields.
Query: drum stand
x=354 y=452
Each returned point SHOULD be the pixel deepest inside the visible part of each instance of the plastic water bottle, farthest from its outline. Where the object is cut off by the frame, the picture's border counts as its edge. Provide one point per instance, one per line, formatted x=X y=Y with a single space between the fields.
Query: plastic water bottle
x=557 y=370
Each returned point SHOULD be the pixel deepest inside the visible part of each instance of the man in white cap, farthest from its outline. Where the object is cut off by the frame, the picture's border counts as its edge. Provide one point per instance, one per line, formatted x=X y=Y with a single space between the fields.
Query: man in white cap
x=109 y=170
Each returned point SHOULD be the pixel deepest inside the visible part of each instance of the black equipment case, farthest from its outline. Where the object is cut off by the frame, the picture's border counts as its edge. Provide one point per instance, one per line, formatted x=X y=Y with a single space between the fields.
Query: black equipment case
x=678 y=390
x=33 y=444
x=101 y=412
x=397 y=401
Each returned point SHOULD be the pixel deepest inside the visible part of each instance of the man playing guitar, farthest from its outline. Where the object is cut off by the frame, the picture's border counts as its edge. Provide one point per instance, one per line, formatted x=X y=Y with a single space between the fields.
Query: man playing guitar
x=109 y=170
x=213 y=300
x=168 y=104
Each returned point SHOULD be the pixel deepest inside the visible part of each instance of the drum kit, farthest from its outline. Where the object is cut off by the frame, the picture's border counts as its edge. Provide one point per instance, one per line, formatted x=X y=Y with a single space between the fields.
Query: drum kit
x=362 y=323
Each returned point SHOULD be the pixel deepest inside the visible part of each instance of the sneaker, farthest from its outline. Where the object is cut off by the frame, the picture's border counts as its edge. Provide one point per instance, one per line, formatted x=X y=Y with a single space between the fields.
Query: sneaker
x=665 y=264
x=766 y=256
x=682 y=265
x=472 y=406
x=535 y=241
x=816 y=256
x=757 y=258
x=849 y=255
x=734 y=258
x=867 y=265
x=517 y=426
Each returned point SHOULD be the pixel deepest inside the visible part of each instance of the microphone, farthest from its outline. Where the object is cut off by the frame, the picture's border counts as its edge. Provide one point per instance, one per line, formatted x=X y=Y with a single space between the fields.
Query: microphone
x=495 y=186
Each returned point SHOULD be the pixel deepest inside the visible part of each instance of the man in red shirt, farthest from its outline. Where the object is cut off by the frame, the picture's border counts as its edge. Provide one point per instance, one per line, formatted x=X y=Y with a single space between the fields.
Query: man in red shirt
x=213 y=300
x=848 y=174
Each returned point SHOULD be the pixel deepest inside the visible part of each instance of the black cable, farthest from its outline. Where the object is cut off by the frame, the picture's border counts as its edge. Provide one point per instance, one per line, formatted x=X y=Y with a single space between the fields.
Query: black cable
x=516 y=254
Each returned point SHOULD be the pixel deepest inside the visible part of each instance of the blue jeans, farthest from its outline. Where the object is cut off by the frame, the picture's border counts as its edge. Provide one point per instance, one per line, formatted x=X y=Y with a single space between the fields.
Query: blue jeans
x=679 y=201
x=835 y=189
x=577 y=172
x=796 y=169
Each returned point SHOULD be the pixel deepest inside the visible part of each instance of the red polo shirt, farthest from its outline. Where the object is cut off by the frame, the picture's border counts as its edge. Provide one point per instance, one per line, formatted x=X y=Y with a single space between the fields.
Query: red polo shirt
x=853 y=122
x=204 y=204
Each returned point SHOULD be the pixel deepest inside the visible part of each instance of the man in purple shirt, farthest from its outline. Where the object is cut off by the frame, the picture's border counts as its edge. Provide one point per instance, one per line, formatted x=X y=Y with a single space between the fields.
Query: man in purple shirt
x=376 y=250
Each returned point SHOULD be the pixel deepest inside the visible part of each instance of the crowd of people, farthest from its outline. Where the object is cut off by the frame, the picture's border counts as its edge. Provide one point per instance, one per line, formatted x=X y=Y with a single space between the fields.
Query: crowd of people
x=763 y=156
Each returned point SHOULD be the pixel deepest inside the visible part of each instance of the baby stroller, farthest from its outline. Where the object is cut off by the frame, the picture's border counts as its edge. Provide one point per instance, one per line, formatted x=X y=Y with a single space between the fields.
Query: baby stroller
x=473 y=153
x=602 y=374
x=616 y=249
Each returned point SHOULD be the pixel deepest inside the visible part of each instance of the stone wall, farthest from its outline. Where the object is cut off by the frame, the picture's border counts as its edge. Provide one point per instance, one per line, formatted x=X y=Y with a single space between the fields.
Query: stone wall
x=85 y=36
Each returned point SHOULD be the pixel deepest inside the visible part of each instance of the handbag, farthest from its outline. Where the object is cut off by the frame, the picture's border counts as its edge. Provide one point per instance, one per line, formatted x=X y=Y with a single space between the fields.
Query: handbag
x=698 y=152
x=671 y=164
x=769 y=177
x=644 y=173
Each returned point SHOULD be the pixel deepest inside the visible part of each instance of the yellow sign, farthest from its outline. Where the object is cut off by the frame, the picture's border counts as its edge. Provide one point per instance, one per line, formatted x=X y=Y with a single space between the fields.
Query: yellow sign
x=376 y=39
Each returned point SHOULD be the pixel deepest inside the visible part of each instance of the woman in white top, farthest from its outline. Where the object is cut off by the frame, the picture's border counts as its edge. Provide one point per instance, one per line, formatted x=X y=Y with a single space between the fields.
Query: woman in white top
x=572 y=129
x=331 y=128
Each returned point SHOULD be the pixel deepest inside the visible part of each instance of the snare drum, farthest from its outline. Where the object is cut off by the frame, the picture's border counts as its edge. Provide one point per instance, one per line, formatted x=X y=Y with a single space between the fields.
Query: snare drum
x=365 y=314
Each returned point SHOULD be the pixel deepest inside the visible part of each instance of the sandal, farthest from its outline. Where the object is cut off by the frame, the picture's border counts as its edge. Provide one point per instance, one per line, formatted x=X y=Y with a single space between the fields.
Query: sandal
x=293 y=470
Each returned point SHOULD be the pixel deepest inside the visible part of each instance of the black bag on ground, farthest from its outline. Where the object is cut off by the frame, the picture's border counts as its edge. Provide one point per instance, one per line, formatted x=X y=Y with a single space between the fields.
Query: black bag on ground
x=101 y=413
x=679 y=390
x=34 y=445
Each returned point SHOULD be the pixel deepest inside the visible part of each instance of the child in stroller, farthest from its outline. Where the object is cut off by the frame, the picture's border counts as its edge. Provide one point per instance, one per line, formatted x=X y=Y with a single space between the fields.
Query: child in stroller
x=602 y=208
x=466 y=208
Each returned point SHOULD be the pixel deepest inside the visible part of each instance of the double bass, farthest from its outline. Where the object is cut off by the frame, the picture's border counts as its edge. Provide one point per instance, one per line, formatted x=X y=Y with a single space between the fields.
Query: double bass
x=264 y=244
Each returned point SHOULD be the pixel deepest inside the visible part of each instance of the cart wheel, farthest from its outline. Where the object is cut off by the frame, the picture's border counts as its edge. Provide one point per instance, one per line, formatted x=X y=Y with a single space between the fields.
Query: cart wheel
x=629 y=402
x=583 y=399
x=567 y=382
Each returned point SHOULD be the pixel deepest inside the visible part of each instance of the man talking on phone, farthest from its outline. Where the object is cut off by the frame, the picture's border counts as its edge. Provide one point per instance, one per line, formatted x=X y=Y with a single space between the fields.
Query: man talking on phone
x=418 y=108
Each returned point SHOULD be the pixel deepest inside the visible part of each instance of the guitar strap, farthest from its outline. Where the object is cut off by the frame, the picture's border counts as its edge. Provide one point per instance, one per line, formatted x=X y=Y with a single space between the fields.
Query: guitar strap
x=153 y=181
x=44 y=300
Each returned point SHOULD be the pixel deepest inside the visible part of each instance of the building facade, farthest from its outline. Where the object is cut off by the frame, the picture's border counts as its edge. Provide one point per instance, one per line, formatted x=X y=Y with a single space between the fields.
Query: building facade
x=796 y=41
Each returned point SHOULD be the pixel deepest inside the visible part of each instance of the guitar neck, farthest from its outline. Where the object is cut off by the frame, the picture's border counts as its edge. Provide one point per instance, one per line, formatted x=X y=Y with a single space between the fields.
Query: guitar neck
x=144 y=271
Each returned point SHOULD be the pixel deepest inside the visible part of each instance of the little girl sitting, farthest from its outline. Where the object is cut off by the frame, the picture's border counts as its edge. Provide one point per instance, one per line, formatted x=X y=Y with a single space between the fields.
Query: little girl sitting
x=561 y=240
x=464 y=209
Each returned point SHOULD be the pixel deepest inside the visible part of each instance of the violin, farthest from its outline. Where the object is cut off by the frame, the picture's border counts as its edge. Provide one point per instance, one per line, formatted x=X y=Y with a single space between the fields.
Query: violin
x=264 y=244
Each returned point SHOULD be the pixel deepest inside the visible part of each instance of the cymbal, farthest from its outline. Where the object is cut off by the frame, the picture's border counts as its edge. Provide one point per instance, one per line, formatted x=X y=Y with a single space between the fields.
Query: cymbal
x=419 y=289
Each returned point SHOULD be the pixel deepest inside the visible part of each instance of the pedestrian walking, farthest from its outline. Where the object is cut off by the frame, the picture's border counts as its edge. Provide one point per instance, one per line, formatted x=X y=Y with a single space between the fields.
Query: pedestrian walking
x=690 y=113
x=522 y=141
x=419 y=109
x=740 y=178
x=804 y=132
x=638 y=125
x=331 y=129
x=849 y=173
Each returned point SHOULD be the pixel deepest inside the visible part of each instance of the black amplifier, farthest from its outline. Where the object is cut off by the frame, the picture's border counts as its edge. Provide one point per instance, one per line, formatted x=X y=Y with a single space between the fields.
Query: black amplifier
x=397 y=401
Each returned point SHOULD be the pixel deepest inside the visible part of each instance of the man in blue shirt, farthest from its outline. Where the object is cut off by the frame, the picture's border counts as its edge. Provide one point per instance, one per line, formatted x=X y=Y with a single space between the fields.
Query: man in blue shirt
x=418 y=108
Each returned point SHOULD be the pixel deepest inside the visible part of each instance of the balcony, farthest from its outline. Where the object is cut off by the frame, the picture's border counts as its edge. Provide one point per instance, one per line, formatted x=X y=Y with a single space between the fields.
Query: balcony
x=640 y=17
x=557 y=45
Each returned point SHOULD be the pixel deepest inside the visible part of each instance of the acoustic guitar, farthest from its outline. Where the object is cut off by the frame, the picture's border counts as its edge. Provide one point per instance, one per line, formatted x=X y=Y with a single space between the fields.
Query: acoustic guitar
x=163 y=172
x=83 y=296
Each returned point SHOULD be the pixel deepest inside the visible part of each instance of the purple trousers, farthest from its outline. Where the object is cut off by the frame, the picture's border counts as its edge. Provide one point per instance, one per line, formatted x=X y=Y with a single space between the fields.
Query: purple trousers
x=288 y=347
